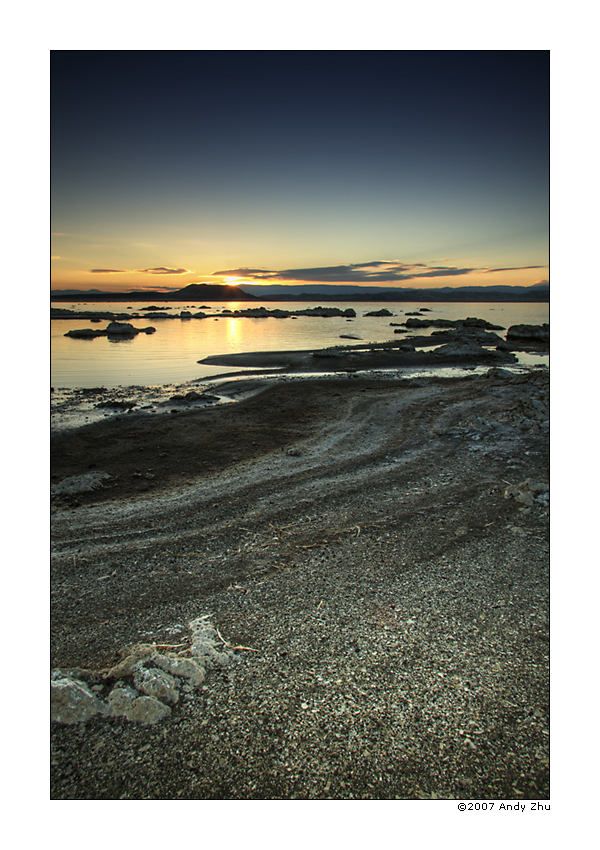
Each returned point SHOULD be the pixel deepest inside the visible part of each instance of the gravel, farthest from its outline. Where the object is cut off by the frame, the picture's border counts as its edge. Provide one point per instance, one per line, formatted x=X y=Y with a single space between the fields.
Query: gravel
x=373 y=555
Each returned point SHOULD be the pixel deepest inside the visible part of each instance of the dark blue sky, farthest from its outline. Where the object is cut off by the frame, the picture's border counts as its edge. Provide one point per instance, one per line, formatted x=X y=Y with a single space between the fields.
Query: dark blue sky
x=207 y=161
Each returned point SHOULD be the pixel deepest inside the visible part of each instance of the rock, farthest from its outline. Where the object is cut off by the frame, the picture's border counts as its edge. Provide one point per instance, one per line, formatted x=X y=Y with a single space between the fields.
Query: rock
x=122 y=405
x=472 y=322
x=121 y=328
x=137 y=653
x=328 y=352
x=525 y=492
x=79 y=484
x=531 y=333
x=474 y=334
x=465 y=348
x=429 y=323
x=120 y=700
x=183 y=667
x=496 y=372
x=147 y=710
x=84 y=333
x=156 y=683
x=203 y=647
x=349 y=336
x=150 y=330
x=382 y=312
x=459 y=324
x=72 y=701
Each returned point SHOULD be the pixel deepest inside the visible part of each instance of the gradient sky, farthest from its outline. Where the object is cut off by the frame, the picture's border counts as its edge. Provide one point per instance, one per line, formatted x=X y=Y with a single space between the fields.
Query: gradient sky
x=394 y=168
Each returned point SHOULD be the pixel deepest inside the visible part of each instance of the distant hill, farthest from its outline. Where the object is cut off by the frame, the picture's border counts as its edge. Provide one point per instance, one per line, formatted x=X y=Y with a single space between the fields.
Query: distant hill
x=193 y=292
x=55 y=293
x=535 y=293
x=314 y=292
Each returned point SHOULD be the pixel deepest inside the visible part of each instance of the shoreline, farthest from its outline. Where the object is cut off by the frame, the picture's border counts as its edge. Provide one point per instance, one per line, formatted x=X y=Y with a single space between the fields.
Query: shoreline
x=357 y=538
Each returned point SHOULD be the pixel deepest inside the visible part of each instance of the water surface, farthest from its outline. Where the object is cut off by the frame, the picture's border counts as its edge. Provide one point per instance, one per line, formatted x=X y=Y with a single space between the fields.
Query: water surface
x=172 y=353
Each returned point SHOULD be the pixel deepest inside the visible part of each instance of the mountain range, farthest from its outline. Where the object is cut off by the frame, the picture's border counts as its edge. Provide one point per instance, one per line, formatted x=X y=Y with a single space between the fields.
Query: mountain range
x=311 y=292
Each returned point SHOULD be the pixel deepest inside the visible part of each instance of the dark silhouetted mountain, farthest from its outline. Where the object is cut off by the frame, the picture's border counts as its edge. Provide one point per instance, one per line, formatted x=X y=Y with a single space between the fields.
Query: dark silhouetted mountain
x=538 y=292
x=193 y=292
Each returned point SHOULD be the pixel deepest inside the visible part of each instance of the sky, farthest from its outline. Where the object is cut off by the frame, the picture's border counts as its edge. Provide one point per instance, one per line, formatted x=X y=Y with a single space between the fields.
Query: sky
x=375 y=167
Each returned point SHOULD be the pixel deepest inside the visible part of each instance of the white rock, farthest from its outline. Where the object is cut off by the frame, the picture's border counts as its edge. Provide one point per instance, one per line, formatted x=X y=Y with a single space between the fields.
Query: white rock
x=121 y=699
x=183 y=667
x=72 y=701
x=135 y=654
x=79 y=484
x=156 y=683
x=147 y=710
x=204 y=645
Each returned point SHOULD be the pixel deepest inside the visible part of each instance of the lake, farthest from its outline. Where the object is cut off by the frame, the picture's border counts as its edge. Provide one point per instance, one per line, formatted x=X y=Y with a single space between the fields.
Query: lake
x=171 y=354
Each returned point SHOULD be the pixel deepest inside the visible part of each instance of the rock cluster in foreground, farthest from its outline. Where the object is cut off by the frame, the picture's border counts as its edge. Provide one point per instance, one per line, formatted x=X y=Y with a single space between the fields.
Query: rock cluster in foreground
x=146 y=682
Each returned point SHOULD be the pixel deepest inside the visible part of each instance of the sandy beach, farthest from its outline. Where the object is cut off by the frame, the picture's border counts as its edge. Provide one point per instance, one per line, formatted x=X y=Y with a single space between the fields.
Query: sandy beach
x=370 y=556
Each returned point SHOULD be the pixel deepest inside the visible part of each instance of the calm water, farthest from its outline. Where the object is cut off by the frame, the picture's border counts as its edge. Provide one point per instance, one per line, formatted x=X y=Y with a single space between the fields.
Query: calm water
x=170 y=355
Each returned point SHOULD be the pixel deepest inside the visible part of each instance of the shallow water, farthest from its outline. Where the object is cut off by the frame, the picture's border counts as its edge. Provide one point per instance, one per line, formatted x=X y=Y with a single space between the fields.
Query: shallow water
x=172 y=353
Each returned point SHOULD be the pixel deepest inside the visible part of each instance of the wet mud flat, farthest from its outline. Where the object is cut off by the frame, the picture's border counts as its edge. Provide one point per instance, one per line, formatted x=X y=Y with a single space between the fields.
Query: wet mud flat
x=373 y=555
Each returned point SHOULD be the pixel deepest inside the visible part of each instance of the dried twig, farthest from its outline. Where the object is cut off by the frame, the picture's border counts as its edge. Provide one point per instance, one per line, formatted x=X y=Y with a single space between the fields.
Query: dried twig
x=229 y=646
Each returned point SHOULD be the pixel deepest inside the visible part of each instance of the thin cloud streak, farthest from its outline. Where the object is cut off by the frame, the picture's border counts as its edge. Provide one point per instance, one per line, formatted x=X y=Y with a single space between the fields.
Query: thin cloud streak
x=160 y=270
x=163 y=270
x=513 y=269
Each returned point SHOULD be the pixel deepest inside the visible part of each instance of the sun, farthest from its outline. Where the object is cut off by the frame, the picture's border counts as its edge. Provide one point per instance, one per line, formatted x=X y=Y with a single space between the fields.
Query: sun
x=232 y=281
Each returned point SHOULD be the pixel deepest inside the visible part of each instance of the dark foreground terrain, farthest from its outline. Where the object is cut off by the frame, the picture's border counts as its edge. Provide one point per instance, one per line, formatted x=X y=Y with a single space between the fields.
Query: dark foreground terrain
x=374 y=556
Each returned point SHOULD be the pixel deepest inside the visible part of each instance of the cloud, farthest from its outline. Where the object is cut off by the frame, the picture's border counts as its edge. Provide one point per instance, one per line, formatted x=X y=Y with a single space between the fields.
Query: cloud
x=245 y=272
x=55 y=257
x=515 y=269
x=162 y=270
x=375 y=271
x=58 y=234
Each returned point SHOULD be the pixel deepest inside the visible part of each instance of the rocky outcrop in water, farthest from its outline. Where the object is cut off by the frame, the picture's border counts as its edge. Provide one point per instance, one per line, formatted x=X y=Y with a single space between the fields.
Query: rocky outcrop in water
x=383 y=312
x=119 y=330
x=458 y=324
x=529 y=333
